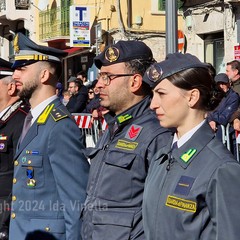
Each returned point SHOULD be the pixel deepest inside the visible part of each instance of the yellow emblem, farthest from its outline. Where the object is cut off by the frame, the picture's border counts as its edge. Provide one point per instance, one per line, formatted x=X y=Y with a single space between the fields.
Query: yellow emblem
x=44 y=116
x=15 y=44
x=181 y=204
x=112 y=54
x=122 y=144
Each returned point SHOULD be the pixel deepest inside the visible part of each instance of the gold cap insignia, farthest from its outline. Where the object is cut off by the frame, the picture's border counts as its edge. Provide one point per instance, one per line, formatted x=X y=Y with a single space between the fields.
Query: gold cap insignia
x=15 y=44
x=154 y=74
x=112 y=54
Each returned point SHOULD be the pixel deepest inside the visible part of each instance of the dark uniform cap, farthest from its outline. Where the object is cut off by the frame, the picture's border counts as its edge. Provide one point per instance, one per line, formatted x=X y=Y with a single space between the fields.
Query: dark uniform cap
x=221 y=77
x=5 y=68
x=174 y=63
x=123 y=51
x=27 y=52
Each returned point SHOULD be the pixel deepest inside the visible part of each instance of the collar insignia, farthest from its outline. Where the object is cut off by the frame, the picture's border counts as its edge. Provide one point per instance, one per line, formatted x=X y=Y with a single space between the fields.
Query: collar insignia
x=44 y=116
x=124 y=118
x=188 y=155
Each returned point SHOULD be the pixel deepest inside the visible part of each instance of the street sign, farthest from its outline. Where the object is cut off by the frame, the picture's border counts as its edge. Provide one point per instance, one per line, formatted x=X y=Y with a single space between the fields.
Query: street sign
x=181 y=41
x=79 y=26
x=237 y=52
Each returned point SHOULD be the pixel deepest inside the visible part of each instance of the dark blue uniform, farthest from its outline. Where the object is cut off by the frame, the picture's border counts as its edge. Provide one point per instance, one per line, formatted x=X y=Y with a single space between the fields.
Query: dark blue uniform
x=119 y=166
x=197 y=190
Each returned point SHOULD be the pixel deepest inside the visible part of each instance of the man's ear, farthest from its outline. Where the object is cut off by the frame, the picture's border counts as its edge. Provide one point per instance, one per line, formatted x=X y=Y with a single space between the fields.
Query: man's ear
x=135 y=82
x=11 y=88
x=44 y=75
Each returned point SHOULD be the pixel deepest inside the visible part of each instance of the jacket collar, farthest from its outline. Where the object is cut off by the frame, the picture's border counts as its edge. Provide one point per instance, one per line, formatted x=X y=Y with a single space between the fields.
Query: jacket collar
x=188 y=151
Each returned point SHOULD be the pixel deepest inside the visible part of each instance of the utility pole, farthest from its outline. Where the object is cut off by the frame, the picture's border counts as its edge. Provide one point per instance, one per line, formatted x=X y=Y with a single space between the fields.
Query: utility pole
x=171 y=26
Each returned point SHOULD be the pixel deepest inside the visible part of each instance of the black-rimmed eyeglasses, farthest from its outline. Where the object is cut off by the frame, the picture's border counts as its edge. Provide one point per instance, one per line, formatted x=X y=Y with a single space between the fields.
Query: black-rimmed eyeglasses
x=107 y=77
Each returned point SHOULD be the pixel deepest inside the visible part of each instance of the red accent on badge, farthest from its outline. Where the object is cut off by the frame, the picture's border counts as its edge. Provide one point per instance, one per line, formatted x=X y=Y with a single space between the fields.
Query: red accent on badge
x=133 y=132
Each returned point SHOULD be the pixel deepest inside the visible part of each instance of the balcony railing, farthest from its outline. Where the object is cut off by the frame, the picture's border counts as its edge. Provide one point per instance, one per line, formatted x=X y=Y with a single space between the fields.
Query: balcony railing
x=54 y=23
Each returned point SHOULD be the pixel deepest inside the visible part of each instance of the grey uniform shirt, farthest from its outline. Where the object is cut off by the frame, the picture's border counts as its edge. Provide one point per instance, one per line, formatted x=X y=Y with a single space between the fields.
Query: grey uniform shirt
x=119 y=165
x=194 y=195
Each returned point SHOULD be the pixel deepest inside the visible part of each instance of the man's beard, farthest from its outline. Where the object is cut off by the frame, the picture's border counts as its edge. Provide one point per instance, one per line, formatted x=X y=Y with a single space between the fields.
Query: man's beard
x=26 y=93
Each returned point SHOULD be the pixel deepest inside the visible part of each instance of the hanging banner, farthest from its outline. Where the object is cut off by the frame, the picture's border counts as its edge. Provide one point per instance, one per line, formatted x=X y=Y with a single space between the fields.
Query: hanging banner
x=79 y=26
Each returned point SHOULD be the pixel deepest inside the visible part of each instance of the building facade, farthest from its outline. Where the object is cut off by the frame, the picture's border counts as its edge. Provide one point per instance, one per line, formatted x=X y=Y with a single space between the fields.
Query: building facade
x=212 y=30
x=48 y=22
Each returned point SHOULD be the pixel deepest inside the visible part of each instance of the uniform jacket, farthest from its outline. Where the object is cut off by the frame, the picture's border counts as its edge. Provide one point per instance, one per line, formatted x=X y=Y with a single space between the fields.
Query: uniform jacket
x=10 y=130
x=119 y=166
x=50 y=177
x=195 y=193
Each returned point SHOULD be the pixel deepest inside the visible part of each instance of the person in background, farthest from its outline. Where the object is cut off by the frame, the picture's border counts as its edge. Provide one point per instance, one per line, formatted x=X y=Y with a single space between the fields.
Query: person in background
x=13 y=111
x=93 y=98
x=233 y=73
x=83 y=77
x=229 y=104
x=78 y=99
x=50 y=169
x=66 y=97
x=120 y=160
x=59 y=90
x=192 y=187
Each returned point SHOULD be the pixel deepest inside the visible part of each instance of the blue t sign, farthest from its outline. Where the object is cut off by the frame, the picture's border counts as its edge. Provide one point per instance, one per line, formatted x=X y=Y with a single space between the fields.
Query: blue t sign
x=81 y=10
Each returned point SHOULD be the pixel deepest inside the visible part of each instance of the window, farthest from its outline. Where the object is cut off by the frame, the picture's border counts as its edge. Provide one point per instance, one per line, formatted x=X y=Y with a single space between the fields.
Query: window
x=158 y=6
x=214 y=50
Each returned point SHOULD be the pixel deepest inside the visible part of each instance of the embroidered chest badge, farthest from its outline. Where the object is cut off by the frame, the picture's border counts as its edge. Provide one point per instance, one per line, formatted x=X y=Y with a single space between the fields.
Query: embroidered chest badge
x=181 y=204
x=133 y=132
x=184 y=185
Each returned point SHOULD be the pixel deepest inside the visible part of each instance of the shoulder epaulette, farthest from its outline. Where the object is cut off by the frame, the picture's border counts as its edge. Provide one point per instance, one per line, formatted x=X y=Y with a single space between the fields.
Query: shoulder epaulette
x=44 y=116
x=58 y=114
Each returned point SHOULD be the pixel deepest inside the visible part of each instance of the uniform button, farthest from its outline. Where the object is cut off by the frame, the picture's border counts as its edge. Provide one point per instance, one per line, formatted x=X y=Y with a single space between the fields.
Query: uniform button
x=14 y=180
x=13 y=215
x=47 y=229
x=16 y=163
x=14 y=198
x=29 y=162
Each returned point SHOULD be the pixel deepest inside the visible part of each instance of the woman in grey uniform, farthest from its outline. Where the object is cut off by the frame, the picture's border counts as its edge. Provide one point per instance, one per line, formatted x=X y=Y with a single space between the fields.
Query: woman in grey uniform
x=193 y=186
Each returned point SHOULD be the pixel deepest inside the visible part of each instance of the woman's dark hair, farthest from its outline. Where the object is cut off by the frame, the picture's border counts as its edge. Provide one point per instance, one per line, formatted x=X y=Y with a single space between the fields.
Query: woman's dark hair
x=203 y=80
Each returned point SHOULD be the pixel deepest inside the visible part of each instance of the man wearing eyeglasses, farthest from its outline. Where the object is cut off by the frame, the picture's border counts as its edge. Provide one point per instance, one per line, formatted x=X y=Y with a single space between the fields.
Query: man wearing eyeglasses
x=120 y=160
x=78 y=99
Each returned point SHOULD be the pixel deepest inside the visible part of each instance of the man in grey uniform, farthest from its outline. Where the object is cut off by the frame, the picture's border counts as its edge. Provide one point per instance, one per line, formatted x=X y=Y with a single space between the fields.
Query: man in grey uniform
x=119 y=163
x=50 y=172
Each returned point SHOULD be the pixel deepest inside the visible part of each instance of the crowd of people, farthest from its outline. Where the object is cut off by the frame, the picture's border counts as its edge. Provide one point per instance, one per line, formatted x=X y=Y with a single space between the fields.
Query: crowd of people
x=159 y=171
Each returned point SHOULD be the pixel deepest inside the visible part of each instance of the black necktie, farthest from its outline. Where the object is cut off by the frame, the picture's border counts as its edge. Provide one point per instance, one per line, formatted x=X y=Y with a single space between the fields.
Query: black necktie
x=26 y=125
x=174 y=146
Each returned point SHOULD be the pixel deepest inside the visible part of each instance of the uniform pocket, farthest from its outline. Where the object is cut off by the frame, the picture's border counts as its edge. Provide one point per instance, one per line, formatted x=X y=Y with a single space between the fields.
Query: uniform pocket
x=32 y=171
x=116 y=178
x=112 y=225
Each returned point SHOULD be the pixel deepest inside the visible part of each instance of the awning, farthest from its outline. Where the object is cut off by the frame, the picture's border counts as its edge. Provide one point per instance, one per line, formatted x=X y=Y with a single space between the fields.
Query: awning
x=74 y=51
